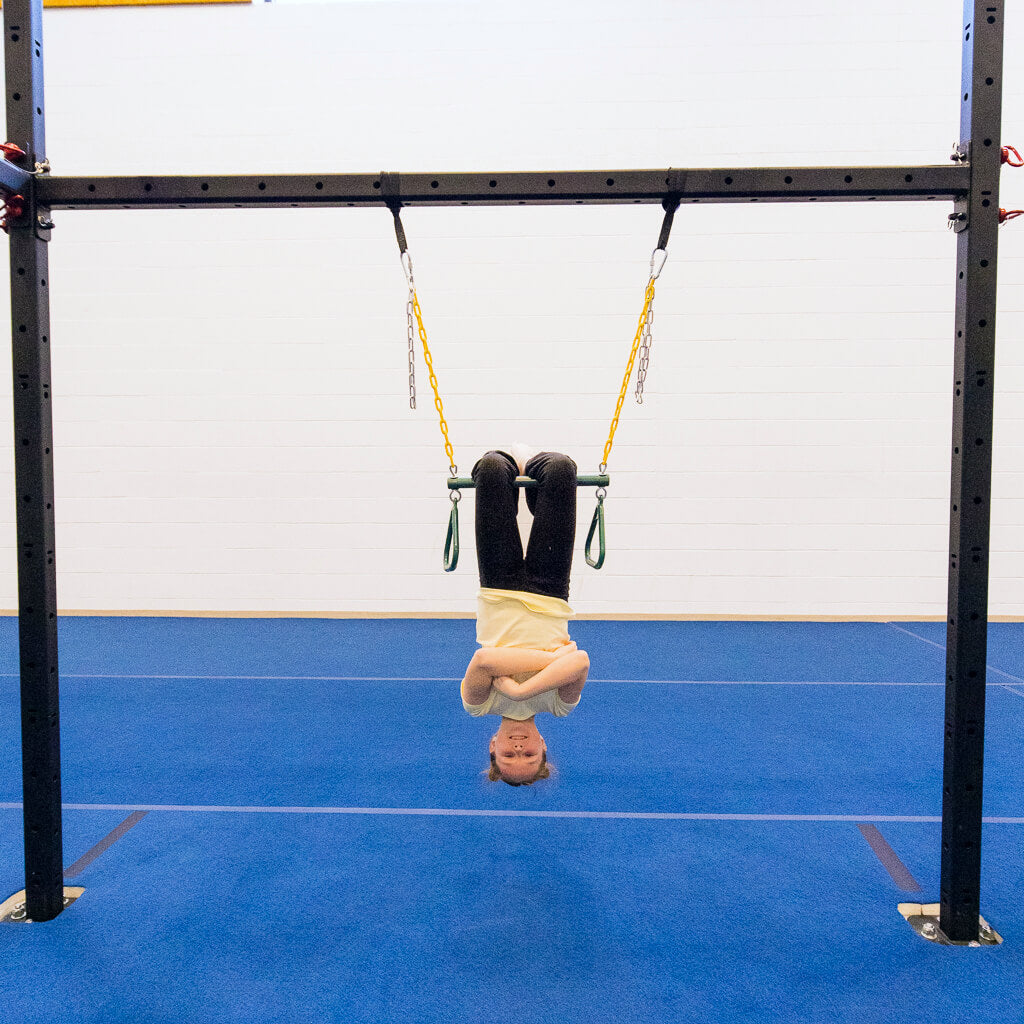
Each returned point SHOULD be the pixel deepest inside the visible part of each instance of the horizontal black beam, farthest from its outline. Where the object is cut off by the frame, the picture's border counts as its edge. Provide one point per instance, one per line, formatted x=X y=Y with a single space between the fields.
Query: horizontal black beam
x=524 y=188
x=12 y=177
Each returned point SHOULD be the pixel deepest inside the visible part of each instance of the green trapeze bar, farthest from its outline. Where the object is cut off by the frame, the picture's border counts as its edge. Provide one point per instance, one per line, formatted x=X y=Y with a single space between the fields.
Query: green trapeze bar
x=466 y=483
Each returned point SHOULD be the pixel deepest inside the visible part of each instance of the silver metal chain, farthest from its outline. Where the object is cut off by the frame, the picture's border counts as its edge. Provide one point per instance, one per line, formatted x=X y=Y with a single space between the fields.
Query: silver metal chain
x=645 y=355
x=410 y=328
x=658 y=258
x=412 y=351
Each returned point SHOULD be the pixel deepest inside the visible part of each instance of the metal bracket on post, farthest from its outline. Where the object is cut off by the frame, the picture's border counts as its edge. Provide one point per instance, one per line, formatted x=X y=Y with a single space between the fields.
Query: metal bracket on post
x=959 y=220
x=44 y=225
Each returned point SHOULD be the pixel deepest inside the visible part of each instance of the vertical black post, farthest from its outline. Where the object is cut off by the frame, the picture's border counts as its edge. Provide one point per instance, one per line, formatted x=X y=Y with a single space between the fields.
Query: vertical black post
x=33 y=468
x=971 y=490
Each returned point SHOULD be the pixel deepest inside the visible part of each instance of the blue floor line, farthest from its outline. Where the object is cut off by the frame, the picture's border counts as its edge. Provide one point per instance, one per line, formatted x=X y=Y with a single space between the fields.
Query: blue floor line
x=262 y=679
x=916 y=636
x=591 y=679
x=462 y=812
x=1000 y=672
x=942 y=647
x=455 y=679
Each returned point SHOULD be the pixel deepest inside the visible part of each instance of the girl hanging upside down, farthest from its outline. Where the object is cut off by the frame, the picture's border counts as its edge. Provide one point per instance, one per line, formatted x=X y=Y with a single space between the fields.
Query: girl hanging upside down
x=526 y=663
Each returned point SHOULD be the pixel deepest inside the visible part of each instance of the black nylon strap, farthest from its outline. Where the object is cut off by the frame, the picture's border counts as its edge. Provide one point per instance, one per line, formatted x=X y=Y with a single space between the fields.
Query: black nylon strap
x=676 y=181
x=403 y=245
x=391 y=190
x=670 y=205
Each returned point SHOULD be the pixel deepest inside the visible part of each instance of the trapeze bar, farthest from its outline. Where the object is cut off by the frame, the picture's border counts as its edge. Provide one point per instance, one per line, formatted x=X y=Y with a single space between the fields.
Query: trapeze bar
x=723 y=185
x=467 y=483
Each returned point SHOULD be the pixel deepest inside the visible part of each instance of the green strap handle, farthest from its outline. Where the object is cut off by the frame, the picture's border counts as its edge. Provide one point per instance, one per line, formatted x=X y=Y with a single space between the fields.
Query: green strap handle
x=597 y=523
x=451 y=541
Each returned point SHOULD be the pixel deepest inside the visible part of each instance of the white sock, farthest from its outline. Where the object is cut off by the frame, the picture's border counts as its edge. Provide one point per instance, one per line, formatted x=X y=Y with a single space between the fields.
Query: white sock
x=522 y=453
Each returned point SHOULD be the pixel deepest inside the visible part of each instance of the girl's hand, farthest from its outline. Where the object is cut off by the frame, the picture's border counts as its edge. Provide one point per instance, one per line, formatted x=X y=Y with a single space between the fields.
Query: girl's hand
x=568 y=648
x=507 y=685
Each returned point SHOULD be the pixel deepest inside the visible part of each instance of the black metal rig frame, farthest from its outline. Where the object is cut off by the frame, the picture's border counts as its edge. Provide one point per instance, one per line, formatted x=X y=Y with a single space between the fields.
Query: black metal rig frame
x=971 y=183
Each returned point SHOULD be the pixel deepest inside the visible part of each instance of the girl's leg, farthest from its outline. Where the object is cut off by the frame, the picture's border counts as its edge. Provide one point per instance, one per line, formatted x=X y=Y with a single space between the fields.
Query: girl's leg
x=553 y=504
x=499 y=550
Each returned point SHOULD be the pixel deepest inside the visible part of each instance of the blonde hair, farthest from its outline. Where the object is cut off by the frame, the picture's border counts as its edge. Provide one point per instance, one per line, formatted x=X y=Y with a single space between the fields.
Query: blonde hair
x=493 y=772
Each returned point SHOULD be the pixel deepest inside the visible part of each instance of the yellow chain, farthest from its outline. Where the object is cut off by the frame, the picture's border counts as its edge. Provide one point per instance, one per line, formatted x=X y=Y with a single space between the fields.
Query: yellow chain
x=648 y=299
x=448 y=450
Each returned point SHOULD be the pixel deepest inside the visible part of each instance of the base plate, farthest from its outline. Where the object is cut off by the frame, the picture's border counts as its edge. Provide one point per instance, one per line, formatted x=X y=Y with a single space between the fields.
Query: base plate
x=924 y=919
x=12 y=910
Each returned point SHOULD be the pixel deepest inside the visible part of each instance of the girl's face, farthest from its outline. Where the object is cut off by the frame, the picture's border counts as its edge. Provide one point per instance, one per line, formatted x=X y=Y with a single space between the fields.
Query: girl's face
x=517 y=748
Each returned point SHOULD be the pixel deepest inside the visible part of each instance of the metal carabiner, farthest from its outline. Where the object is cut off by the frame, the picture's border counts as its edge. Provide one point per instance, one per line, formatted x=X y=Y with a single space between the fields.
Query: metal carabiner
x=655 y=274
x=407 y=267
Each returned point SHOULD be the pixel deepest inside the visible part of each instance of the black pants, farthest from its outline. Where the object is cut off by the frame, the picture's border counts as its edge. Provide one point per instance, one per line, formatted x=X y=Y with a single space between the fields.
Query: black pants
x=499 y=550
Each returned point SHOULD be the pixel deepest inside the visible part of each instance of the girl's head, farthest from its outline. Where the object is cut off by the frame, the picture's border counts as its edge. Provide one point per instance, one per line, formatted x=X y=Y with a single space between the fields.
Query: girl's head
x=519 y=755
x=543 y=772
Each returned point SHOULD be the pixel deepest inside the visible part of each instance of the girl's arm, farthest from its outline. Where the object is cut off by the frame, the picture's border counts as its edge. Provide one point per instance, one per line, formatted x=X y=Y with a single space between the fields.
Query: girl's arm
x=567 y=674
x=490 y=662
x=510 y=661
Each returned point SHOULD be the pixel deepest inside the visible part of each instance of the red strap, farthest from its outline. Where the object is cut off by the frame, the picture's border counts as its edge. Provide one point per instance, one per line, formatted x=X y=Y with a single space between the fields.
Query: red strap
x=1005 y=215
x=13 y=206
x=11 y=151
x=1007 y=150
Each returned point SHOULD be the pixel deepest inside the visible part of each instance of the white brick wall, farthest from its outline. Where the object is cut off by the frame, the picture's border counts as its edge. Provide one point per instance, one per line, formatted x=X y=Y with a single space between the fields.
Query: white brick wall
x=231 y=423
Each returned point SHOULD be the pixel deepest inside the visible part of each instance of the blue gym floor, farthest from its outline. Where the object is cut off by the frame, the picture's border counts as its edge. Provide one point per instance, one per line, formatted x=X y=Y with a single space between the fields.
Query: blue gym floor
x=313 y=842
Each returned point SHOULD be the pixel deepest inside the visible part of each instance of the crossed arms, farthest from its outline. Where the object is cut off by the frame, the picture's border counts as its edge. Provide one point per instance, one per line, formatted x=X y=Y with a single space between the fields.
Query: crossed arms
x=564 y=670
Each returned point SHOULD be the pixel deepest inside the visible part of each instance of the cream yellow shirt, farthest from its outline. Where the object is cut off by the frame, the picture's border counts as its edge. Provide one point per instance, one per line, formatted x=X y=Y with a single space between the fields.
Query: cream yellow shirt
x=516 y=618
